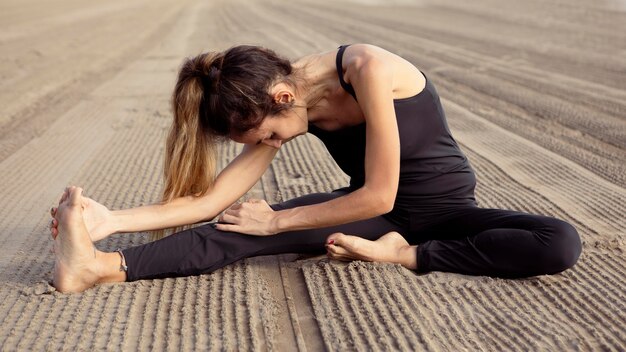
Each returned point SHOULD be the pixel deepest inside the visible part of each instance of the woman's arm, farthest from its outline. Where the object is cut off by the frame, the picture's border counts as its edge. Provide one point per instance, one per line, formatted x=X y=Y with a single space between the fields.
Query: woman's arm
x=232 y=183
x=372 y=79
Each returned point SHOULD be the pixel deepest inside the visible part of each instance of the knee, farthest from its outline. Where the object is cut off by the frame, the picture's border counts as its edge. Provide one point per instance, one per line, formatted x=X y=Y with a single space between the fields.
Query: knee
x=565 y=247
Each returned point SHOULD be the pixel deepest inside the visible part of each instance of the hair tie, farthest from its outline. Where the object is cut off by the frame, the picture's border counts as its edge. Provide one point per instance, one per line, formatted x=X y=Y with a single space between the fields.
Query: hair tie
x=213 y=78
x=210 y=81
x=220 y=62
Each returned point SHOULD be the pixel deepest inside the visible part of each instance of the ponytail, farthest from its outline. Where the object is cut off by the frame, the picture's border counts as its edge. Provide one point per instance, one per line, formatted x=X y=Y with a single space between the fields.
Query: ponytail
x=190 y=151
x=216 y=95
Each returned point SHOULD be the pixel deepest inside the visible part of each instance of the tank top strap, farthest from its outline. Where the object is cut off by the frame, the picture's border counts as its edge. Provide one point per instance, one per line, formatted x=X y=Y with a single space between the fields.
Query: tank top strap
x=346 y=86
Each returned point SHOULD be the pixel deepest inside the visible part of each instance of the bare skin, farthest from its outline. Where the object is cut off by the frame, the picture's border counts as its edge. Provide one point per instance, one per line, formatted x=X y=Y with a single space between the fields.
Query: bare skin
x=96 y=216
x=78 y=264
x=390 y=248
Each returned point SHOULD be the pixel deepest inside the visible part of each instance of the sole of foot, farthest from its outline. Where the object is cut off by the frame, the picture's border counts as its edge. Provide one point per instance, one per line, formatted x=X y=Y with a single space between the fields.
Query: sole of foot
x=390 y=248
x=75 y=265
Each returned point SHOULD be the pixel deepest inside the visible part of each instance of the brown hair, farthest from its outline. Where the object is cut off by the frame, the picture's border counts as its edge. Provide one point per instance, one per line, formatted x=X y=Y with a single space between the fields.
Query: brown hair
x=216 y=95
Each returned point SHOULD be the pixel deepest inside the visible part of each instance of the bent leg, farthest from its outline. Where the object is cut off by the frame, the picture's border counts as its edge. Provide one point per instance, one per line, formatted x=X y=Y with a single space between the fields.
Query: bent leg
x=204 y=249
x=498 y=243
x=392 y=247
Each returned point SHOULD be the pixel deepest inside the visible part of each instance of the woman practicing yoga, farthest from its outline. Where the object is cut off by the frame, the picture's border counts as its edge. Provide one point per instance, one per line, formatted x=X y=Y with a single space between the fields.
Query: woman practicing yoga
x=410 y=199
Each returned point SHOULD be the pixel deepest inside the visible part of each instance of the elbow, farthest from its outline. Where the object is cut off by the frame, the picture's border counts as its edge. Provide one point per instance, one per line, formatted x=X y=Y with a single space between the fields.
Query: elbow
x=378 y=199
x=386 y=205
x=382 y=202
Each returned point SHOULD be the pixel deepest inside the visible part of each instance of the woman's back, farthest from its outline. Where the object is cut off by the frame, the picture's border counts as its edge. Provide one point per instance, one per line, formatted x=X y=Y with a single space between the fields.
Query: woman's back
x=434 y=173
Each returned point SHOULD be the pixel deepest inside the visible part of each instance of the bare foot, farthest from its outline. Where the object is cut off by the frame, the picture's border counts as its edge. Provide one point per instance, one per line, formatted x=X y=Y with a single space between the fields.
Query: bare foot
x=97 y=218
x=54 y=231
x=75 y=265
x=390 y=248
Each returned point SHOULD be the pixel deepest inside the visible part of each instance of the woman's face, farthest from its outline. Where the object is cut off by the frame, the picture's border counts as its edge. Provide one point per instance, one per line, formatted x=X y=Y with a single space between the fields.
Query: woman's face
x=277 y=130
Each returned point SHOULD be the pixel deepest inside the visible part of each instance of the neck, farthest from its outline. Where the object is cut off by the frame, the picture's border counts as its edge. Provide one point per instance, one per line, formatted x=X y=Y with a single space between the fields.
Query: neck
x=318 y=77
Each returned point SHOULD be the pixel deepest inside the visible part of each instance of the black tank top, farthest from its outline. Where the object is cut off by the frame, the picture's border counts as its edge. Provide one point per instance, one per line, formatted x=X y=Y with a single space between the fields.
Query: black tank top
x=434 y=174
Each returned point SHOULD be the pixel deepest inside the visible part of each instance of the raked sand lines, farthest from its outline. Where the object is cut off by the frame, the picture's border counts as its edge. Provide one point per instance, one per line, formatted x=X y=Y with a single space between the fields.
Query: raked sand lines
x=456 y=312
x=585 y=196
x=529 y=105
x=534 y=93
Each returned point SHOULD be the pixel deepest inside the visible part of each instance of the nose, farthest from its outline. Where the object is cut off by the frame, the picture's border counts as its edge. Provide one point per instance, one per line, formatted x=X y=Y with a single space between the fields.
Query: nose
x=276 y=143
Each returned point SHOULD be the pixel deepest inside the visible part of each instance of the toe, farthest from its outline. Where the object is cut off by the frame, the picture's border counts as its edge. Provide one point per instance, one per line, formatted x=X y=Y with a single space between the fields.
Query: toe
x=332 y=239
x=343 y=258
x=64 y=195
x=337 y=250
x=75 y=196
x=346 y=242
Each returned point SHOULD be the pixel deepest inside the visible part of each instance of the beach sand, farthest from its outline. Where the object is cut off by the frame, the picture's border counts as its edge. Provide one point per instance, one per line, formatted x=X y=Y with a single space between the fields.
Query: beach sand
x=535 y=94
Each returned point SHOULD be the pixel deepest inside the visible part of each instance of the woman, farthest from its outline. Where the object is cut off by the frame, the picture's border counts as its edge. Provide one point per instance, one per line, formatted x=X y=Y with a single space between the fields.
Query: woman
x=410 y=199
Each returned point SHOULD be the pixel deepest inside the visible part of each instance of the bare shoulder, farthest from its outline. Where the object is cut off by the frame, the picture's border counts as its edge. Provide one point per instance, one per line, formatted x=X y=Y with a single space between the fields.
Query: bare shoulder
x=407 y=79
x=358 y=54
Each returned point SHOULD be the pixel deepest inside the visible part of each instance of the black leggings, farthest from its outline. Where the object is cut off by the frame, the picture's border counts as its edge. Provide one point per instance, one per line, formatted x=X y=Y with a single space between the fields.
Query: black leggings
x=467 y=240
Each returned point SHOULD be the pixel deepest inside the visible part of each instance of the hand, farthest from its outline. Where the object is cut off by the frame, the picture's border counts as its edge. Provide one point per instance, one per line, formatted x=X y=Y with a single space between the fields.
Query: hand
x=254 y=217
x=98 y=218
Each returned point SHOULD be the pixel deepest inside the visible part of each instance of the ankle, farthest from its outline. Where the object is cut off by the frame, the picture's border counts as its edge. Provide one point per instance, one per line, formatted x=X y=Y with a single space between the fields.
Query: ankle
x=407 y=257
x=109 y=267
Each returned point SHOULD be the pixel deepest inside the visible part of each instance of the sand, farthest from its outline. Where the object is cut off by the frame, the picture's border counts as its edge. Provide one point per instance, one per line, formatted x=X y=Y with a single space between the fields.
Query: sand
x=535 y=93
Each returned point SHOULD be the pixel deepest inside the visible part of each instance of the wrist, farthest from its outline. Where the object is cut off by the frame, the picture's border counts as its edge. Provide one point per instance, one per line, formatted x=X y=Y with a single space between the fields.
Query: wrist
x=280 y=222
x=115 y=222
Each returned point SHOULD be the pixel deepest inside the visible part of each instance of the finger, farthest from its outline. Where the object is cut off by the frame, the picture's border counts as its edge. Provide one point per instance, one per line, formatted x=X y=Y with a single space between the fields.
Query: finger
x=234 y=206
x=253 y=202
x=54 y=233
x=233 y=212
x=230 y=219
x=227 y=227
x=53 y=211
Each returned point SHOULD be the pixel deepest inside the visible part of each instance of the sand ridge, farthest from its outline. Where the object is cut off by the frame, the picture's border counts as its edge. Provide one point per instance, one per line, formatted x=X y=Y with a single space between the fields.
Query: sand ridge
x=534 y=92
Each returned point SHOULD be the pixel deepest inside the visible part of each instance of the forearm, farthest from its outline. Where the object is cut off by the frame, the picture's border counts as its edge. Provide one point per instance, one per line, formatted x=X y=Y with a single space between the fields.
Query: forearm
x=178 y=212
x=358 y=205
x=231 y=184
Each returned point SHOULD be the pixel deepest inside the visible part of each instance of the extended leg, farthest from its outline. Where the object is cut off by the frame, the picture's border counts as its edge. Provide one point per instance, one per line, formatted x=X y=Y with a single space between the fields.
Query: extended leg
x=205 y=249
x=497 y=242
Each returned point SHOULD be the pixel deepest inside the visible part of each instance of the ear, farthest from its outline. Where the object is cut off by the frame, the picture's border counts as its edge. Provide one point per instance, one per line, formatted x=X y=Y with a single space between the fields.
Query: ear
x=282 y=94
x=283 y=97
